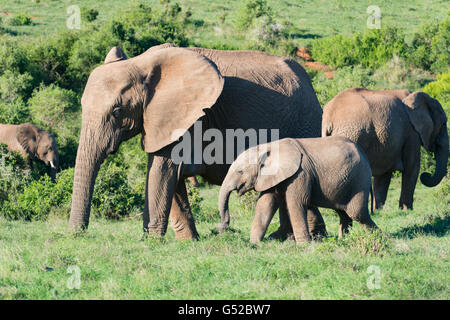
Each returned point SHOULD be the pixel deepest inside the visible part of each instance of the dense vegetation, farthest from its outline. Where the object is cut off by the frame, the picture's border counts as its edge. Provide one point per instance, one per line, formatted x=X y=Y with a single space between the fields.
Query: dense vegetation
x=42 y=80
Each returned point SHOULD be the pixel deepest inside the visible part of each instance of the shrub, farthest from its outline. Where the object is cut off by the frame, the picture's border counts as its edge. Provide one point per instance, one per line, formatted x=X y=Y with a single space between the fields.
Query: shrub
x=48 y=59
x=429 y=47
x=12 y=174
x=14 y=86
x=440 y=90
x=14 y=112
x=134 y=31
x=252 y=10
x=89 y=14
x=13 y=57
x=345 y=78
x=19 y=19
x=397 y=74
x=40 y=197
x=50 y=106
x=371 y=49
x=113 y=196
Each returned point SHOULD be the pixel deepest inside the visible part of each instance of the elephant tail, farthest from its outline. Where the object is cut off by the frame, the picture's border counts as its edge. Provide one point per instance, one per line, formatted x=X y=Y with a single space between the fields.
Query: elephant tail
x=371 y=201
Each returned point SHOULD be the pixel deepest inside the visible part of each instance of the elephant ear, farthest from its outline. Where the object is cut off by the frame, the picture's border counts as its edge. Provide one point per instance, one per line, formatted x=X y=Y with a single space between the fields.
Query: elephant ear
x=280 y=161
x=27 y=135
x=180 y=84
x=426 y=116
x=115 y=54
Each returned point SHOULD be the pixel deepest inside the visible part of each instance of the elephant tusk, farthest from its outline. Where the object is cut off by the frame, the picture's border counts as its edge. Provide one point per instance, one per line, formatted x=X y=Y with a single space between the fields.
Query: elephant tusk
x=52 y=165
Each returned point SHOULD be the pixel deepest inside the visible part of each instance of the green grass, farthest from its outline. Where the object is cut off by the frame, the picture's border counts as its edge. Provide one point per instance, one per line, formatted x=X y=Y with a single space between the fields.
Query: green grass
x=310 y=19
x=116 y=262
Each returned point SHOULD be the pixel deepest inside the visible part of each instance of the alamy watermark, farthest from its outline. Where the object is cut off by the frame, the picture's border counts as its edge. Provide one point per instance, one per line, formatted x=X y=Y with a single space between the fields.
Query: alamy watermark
x=374 y=280
x=74 y=281
x=374 y=19
x=74 y=19
x=213 y=146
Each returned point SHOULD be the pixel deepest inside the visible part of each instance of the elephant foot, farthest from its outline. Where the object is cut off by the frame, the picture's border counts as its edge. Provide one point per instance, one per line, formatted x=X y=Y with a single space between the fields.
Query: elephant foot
x=186 y=234
x=281 y=235
x=319 y=232
x=406 y=207
x=154 y=232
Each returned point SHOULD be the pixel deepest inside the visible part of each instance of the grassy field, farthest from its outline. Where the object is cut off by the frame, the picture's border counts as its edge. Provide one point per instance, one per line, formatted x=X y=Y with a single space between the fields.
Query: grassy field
x=311 y=19
x=37 y=259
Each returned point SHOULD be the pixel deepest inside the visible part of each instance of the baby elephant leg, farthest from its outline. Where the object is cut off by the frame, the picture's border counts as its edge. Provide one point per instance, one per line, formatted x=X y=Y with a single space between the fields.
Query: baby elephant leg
x=345 y=223
x=266 y=207
x=358 y=210
x=316 y=224
x=285 y=230
x=297 y=214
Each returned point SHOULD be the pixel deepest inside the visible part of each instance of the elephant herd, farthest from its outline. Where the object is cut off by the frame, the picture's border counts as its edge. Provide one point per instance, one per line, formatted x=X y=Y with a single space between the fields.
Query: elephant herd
x=164 y=91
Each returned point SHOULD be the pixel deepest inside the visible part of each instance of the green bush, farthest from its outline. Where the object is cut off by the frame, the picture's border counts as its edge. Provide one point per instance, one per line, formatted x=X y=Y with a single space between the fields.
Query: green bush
x=397 y=74
x=15 y=112
x=371 y=49
x=51 y=106
x=250 y=11
x=89 y=14
x=40 y=197
x=14 y=86
x=12 y=173
x=430 y=47
x=134 y=31
x=48 y=59
x=113 y=196
x=13 y=57
x=440 y=90
x=19 y=19
x=345 y=78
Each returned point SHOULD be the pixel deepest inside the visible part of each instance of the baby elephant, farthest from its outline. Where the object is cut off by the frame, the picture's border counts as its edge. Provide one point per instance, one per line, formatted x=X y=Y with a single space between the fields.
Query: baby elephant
x=299 y=174
x=28 y=139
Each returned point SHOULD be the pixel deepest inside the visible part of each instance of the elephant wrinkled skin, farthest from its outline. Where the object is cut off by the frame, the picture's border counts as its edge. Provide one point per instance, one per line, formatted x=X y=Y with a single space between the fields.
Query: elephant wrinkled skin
x=390 y=126
x=27 y=139
x=166 y=90
x=297 y=174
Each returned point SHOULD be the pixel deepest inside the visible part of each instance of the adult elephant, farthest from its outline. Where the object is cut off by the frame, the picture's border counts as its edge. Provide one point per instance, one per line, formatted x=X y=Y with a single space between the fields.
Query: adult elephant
x=161 y=94
x=390 y=126
x=31 y=141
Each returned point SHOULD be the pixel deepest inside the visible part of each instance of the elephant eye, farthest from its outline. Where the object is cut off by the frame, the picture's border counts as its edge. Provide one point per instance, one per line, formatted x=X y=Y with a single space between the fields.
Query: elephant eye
x=116 y=112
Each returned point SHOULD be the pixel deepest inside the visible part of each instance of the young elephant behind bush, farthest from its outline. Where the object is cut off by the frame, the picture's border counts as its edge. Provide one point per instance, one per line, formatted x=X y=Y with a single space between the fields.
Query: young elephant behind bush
x=297 y=174
x=27 y=139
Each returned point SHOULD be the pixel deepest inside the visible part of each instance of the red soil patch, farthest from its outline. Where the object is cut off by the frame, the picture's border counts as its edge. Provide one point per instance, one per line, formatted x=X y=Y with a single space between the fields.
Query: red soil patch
x=304 y=54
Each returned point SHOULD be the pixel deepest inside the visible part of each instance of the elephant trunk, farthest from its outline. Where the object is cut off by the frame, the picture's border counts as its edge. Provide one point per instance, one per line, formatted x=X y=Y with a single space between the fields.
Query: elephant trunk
x=89 y=159
x=441 y=156
x=224 y=197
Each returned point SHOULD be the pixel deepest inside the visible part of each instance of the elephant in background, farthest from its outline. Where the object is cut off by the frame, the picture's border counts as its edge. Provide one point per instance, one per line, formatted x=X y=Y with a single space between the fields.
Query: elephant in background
x=390 y=126
x=27 y=139
x=297 y=174
x=161 y=94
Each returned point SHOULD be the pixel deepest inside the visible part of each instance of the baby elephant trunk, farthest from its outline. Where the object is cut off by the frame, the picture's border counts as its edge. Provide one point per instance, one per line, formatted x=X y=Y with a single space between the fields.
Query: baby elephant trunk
x=224 y=197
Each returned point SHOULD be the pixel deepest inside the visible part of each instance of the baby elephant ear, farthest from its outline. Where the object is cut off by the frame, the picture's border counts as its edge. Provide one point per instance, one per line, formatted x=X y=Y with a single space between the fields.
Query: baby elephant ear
x=280 y=161
x=27 y=135
x=115 y=54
